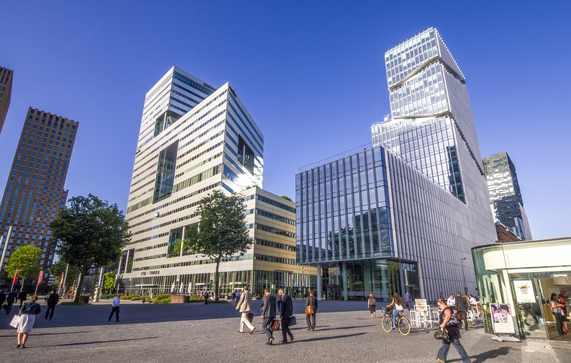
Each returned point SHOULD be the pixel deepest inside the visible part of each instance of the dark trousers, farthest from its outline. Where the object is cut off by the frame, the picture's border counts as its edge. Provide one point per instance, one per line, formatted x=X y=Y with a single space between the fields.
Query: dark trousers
x=279 y=306
x=285 y=329
x=21 y=303
x=443 y=352
x=465 y=316
x=114 y=310
x=268 y=327
x=9 y=308
x=205 y=300
x=310 y=318
x=559 y=322
x=50 y=311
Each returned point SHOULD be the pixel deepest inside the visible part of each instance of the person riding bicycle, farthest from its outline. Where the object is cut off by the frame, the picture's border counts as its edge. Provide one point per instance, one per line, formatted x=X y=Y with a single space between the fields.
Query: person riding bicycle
x=398 y=303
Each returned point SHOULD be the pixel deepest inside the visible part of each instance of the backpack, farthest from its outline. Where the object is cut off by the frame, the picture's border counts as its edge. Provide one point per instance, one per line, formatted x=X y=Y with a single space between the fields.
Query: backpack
x=373 y=301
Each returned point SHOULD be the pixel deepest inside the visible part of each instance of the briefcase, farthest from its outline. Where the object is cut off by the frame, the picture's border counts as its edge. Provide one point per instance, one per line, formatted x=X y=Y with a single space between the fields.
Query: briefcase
x=292 y=321
x=276 y=325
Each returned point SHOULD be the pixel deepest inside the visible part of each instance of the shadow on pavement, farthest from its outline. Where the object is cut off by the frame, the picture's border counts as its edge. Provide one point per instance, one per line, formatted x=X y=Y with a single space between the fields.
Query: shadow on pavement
x=328 y=338
x=503 y=351
x=100 y=342
x=345 y=327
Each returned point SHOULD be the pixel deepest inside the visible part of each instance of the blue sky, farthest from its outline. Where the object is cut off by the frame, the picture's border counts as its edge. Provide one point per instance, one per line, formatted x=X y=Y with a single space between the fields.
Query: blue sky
x=310 y=73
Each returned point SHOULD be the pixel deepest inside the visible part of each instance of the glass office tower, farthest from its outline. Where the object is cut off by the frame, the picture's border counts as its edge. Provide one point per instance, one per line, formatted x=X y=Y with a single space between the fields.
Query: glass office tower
x=6 y=77
x=505 y=194
x=403 y=215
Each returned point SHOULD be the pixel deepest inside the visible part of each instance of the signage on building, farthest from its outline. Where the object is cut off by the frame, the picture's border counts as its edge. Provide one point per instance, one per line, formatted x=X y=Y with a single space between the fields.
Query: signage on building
x=502 y=319
x=524 y=291
x=145 y=273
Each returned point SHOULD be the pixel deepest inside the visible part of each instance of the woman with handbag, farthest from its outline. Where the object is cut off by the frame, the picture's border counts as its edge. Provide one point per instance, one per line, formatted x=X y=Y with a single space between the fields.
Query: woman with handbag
x=449 y=322
x=28 y=313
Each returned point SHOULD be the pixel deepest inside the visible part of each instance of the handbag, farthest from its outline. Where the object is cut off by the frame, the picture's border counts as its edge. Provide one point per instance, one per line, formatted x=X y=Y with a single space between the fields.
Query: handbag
x=276 y=325
x=459 y=316
x=292 y=321
x=16 y=321
x=441 y=334
x=309 y=309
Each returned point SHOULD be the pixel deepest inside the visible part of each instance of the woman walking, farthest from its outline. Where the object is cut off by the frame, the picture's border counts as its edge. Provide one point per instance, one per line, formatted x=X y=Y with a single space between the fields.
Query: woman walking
x=399 y=308
x=372 y=303
x=29 y=311
x=453 y=332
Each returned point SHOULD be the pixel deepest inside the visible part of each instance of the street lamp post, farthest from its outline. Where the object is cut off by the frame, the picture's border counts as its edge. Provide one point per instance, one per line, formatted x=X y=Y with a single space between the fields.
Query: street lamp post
x=464 y=276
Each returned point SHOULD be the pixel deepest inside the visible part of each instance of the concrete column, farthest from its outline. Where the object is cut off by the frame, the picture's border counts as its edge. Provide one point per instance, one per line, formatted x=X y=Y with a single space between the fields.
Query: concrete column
x=344 y=277
x=5 y=247
x=319 y=282
x=182 y=240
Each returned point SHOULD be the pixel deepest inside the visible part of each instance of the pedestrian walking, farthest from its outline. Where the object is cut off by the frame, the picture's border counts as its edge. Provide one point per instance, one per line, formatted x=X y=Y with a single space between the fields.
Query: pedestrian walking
x=372 y=304
x=399 y=308
x=22 y=297
x=407 y=300
x=28 y=313
x=115 y=307
x=244 y=305
x=269 y=315
x=205 y=297
x=556 y=310
x=10 y=301
x=233 y=295
x=238 y=296
x=2 y=298
x=286 y=316
x=462 y=307
x=52 y=302
x=279 y=302
x=449 y=322
x=310 y=311
x=294 y=295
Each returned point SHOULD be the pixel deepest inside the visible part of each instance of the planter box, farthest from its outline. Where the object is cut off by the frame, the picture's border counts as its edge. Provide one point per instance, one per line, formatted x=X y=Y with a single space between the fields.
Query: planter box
x=179 y=299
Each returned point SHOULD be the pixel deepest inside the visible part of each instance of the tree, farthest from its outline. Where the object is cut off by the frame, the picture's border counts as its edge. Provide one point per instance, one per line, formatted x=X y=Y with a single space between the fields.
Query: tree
x=26 y=260
x=59 y=267
x=90 y=233
x=109 y=280
x=221 y=231
x=286 y=198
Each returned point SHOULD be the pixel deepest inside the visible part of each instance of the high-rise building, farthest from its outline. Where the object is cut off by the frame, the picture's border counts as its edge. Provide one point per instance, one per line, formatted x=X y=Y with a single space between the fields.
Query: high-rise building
x=34 y=192
x=404 y=214
x=6 y=77
x=505 y=194
x=194 y=139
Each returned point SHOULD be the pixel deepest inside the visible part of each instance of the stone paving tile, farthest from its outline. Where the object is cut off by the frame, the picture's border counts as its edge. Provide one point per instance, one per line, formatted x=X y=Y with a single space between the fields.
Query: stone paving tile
x=167 y=333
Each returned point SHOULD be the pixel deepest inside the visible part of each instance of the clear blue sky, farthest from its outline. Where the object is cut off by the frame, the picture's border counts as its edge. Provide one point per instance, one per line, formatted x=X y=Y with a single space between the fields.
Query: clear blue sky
x=311 y=74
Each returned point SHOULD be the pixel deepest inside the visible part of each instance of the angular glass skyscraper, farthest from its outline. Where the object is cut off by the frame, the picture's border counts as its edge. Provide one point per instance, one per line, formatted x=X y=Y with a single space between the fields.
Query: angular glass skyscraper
x=505 y=194
x=403 y=215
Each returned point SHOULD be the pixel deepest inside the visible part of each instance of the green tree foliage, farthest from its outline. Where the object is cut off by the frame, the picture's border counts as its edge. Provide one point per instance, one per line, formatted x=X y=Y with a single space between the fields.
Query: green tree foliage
x=90 y=233
x=221 y=231
x=26 y=260
x=59 y=267
x=109 y=280
x=286 y=198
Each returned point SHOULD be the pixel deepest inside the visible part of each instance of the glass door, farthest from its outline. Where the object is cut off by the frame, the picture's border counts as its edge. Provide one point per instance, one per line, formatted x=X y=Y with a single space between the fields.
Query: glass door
x=529 y=311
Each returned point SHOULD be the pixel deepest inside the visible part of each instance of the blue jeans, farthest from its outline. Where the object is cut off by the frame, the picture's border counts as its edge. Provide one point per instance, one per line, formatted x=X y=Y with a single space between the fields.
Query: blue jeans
x=395 y=313
x=443 y=352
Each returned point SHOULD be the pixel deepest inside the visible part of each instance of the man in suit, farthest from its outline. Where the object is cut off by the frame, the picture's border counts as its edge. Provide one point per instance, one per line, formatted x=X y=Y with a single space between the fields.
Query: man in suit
x=462 y=307
x=52 y=302
x=310 y=301
x=245 y=306
x=286 y=314
x=269 y=315
x=23 y=296
x=10 y=300
x=2 y=297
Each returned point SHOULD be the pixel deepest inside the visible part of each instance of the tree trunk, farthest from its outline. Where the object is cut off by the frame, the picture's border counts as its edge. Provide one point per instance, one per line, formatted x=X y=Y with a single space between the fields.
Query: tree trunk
x=217 y=281
x=79 y=286
x=22 y=284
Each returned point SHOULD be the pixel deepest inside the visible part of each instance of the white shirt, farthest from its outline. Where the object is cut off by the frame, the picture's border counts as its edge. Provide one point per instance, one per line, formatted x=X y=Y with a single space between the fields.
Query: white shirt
x=473 y=301
x=451 y=301
x=116 y=302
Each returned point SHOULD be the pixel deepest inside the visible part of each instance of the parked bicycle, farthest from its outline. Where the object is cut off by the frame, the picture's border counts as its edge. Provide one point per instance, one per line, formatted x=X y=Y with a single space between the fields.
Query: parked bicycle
x=403 y=324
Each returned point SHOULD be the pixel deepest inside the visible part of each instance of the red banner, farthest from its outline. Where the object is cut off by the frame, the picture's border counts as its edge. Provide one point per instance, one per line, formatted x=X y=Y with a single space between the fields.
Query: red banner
x=61 y=281
x=40 y=278
x=15 y=278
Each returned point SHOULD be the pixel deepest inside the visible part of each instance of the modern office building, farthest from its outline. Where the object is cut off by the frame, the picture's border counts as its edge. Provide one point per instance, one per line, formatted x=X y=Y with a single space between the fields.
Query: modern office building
x=195 y=139
x=505 y=194
x=6 y=77
x=34 y=192
x=404 y=214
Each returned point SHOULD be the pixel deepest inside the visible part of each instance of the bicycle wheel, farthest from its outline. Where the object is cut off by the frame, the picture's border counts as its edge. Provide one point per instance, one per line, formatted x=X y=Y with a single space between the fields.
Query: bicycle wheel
x=404 y=326
x=387 y=323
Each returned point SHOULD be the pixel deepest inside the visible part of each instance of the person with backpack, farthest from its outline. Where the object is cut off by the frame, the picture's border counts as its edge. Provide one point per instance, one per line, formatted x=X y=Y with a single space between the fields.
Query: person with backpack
x=372 y=303
x=449 y=322
x=205 y=297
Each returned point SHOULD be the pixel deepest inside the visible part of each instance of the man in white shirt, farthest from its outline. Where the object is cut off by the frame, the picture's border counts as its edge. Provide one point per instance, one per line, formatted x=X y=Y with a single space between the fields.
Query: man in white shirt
x=451 y=300
x=115 y=304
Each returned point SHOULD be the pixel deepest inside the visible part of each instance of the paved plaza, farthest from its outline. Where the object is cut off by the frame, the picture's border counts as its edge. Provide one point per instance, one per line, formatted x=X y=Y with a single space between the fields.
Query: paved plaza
x=197 y=332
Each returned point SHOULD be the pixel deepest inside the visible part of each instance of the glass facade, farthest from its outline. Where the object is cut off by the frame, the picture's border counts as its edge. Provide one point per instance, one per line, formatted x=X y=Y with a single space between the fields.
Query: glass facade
x=542 y=267
x=342 y=209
